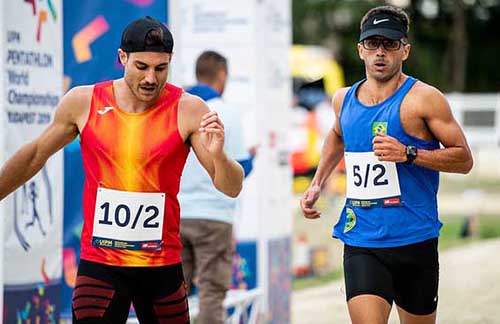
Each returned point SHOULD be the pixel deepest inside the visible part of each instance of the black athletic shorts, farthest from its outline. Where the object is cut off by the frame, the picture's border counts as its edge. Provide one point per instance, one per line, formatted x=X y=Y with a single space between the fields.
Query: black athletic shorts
x=407 y=275
x=103 y=294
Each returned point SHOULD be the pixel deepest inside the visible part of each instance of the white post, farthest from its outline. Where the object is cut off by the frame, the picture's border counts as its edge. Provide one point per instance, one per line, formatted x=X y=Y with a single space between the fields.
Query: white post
x=255 y=36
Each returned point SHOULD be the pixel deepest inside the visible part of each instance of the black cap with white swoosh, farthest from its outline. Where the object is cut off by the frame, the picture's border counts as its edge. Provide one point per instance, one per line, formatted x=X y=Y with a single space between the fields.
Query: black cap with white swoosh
x=383 y=25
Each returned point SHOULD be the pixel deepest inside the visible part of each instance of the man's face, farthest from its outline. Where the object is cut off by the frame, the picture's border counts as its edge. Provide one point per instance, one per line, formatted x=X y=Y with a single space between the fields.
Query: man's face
x=145 y=73
x=383 y=57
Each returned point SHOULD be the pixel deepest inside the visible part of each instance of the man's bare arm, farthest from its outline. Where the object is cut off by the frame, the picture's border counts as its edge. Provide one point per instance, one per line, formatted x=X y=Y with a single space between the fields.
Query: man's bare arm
x=331 y=154
x=207 y=140
x=456 y=155
x=30 y=158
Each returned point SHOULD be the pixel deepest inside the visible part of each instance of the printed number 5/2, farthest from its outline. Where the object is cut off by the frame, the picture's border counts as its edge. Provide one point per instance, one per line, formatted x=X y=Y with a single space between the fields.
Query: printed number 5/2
x=379 y=170
x=122 y=216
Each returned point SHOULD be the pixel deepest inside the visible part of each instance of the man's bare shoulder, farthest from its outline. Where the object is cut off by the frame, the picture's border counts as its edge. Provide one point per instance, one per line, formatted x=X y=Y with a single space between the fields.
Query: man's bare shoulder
x=338 y=98
x=75 y=106
x=192 y=104
x=424 y=94
x=191 y=109
x=78 y=97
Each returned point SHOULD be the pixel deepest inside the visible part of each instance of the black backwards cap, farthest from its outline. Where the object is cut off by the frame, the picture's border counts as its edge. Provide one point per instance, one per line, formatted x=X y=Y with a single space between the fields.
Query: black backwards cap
x=383 y=25
x=134 y=36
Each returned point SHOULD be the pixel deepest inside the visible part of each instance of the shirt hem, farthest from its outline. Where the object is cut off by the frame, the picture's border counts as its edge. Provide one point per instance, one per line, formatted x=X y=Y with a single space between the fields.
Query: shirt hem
x=384 y=244
x=161 y=264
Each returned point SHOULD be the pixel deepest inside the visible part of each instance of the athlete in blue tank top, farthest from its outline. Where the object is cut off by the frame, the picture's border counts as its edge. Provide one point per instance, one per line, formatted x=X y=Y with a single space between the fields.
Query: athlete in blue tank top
x=395 y=133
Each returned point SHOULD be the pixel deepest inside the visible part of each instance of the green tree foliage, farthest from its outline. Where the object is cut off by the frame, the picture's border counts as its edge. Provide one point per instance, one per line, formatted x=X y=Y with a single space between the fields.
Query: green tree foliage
x=455 y=43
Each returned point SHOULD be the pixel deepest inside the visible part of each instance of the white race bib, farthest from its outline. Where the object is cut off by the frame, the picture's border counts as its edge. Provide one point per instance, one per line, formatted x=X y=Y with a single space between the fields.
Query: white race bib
x=370 y=181
x=128 y=220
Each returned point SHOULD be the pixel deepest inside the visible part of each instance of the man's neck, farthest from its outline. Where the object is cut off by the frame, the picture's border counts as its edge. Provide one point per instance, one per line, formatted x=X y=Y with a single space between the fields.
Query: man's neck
x=214 y=85
x=127 y=101
x=374 y=91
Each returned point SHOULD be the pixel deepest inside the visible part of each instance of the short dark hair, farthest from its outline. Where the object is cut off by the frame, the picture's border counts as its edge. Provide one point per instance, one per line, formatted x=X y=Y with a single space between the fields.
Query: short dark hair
x=208 y=64
x=398 y=14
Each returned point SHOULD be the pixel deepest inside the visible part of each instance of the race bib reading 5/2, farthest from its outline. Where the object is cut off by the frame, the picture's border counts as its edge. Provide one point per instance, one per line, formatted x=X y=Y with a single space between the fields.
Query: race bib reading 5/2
x=371 y=182
x=128 y=220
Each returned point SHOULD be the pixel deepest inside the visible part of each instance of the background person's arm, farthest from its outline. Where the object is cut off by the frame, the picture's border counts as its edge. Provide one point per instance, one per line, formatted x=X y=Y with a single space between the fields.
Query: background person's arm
x=30 y=158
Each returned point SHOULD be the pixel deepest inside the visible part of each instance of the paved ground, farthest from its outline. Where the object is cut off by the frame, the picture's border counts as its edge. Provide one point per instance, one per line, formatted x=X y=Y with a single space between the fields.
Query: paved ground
x=469 y=291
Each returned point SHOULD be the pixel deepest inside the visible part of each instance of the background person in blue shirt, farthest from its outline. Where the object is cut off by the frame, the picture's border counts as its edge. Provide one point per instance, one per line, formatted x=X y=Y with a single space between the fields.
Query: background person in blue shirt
x=206 y=214
x=396 y=133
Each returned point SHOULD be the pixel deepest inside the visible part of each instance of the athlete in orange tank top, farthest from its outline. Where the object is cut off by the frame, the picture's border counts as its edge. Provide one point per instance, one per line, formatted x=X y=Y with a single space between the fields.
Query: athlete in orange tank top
x=135 y=134
x=141 y=152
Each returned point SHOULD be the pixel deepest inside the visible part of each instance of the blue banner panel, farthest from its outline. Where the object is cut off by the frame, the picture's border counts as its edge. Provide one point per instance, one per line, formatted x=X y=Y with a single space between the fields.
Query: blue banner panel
x=245 y=265
x=92 y=34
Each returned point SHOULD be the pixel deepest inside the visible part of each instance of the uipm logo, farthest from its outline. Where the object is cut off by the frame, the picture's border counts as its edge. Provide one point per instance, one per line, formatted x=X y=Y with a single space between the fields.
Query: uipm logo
x=41 y=14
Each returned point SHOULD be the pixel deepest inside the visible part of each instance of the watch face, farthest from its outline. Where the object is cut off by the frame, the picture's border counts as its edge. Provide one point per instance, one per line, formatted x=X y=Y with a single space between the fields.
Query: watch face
x=411 y=153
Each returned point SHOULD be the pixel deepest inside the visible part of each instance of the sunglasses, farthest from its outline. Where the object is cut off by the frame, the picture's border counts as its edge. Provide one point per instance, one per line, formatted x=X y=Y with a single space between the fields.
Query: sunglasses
x=374 y=43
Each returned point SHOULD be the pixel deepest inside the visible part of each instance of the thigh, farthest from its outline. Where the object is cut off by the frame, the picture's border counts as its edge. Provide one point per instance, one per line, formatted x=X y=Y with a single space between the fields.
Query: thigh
x=366 y=274
x=161 y=296
x=100 y=295
x=213 y=250
x=417 y=281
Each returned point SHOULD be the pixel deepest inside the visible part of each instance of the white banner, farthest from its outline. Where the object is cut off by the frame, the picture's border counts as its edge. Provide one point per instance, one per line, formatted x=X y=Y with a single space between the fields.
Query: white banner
x=32 y=68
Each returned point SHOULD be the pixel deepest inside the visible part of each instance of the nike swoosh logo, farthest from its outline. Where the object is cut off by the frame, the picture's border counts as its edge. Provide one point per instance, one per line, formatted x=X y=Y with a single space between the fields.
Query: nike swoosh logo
x=376 y=22
x=104 y=110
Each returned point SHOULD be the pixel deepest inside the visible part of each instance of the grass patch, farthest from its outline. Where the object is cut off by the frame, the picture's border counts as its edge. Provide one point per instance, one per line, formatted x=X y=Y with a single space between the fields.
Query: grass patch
x=451 y=233
x=459 y=185
x=489 y=226
x=314 y=281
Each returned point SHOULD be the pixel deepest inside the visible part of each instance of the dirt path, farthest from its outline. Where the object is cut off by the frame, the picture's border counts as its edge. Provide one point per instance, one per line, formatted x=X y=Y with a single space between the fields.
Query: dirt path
x=469 y=291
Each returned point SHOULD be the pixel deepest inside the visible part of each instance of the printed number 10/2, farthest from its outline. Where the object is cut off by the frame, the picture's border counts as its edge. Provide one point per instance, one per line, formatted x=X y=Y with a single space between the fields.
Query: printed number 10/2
x=124 y=221
x=379 y=170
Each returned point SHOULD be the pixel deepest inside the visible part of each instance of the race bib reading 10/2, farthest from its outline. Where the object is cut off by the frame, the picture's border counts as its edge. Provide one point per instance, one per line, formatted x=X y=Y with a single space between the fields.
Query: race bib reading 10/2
x=371 y=182
x=128 y=220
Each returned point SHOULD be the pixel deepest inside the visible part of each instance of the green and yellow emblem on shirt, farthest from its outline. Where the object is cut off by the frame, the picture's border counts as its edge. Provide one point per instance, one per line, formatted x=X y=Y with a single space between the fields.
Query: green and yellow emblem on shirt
x=379 y=127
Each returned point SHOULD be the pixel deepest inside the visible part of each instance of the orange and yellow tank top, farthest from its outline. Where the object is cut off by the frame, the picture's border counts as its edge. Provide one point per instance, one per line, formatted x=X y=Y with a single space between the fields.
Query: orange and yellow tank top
x=133 y=163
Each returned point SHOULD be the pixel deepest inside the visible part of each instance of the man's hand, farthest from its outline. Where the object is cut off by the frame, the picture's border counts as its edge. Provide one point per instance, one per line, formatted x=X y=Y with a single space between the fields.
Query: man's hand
x=308 y=200
x=212 y=133
x=387 y=148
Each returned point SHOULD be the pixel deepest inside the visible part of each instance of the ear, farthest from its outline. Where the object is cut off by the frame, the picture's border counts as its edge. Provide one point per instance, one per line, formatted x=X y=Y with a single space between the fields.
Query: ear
x=122 y=56
x=361 y=51
x=406 y=51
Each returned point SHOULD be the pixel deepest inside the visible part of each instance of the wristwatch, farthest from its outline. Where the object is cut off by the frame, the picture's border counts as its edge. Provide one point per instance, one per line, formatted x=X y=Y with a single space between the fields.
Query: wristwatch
x=411 y=154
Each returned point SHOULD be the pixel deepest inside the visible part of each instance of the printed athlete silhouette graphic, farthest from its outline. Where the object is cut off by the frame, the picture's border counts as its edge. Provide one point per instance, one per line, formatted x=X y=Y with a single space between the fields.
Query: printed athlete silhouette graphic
x=33 y=195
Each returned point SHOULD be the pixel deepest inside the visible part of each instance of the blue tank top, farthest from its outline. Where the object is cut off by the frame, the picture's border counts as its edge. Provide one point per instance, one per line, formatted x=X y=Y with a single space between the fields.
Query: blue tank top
x=387 y=204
